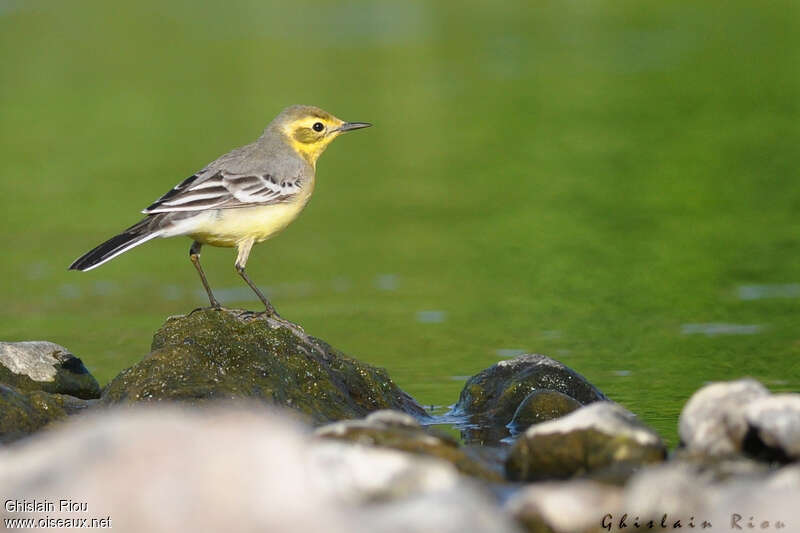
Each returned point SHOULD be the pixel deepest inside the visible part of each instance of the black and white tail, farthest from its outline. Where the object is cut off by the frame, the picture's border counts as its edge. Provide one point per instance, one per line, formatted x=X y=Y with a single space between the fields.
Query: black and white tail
x=137 y=234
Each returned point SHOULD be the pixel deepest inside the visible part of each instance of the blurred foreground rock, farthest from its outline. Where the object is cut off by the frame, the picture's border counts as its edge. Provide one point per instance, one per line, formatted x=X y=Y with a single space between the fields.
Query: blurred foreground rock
x=564 y=507
x=391 y=429
x=212 y=354
x=376 y=462
x=598 y=436
x=742 y=417
x=689 y=493
x=237 y=469
x=491 y=398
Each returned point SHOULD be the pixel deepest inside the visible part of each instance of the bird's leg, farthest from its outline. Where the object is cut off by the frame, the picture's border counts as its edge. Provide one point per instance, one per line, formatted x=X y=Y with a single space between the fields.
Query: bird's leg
x=244 y=248
x=194 y=255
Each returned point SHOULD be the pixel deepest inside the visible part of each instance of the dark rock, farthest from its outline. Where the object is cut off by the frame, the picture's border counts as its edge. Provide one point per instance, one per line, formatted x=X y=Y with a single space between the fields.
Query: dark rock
x=391 y=429
x=491 y=397
x=45 y=366
x=713 y=421
x=212 y=354
x=541 y=406
x=24 y=412
x=593 y=438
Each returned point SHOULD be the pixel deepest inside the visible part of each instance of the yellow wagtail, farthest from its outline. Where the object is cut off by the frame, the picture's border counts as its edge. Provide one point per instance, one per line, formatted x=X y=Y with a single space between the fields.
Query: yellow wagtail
x=240 y=199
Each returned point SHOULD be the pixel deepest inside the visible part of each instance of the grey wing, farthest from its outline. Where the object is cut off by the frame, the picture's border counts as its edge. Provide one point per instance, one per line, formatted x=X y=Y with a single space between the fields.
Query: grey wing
x=218 y=189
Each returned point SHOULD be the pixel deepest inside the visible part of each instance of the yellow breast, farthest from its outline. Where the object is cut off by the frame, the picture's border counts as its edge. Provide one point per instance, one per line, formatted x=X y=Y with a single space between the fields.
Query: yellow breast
x=228 y=227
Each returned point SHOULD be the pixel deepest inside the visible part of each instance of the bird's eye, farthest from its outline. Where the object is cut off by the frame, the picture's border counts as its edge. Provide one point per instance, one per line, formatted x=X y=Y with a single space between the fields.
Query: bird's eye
x=318 y=126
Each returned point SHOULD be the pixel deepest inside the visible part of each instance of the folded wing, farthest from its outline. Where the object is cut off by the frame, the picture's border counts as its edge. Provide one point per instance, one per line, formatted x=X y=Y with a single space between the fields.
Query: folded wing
x=225 y=190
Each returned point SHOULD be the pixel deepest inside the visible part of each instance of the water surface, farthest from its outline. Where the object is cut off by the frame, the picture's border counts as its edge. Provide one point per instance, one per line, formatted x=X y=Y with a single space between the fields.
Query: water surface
x=613 y=184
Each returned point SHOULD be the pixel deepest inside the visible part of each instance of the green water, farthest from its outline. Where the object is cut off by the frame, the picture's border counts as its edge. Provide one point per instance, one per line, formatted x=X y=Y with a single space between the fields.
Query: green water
x=581 y=179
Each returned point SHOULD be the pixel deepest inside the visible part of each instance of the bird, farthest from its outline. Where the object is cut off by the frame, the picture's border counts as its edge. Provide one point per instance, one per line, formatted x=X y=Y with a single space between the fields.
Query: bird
x=240 y=199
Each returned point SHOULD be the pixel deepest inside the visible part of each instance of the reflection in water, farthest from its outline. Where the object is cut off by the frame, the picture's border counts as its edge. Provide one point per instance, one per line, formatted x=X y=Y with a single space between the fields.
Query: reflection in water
x=551 y=334
x=510 y=352
x=105 y=287
x=245 y=294
x=341 y=284
x=717 y=328
x=760 y=292
x=386 y=282
x=69 y=291
x=172 y=292
x=37 y=269
x=431 y=317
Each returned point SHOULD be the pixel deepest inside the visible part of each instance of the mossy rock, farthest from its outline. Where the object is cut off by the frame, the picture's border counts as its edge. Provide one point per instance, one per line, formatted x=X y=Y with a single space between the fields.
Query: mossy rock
x=601 y=436
x=490 y=398
x=225 y=354
x=45 y=366
x=541 y=406
x=390 y=429
x=24 y=412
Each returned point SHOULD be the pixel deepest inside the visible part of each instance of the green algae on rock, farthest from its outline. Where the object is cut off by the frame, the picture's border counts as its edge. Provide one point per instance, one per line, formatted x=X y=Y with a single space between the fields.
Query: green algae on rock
x=45 y=366
x=225 y=354
x=593 y=438
x=23 y=412
x=500 y=389
x=490 y=398
x=541 y=406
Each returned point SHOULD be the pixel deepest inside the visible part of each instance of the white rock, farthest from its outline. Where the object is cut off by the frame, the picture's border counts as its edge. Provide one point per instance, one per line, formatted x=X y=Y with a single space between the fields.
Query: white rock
x=467 y=510
x=677 y=489
x=390 y=418
x=35 y=359
x=713 y=420
x=233 y=468
x=531 y=358
x=358 y=474
x=787 y=477
x=169 y=469
x=687 y=493
x=776 y=420
x=606 y=417
x=566 y=506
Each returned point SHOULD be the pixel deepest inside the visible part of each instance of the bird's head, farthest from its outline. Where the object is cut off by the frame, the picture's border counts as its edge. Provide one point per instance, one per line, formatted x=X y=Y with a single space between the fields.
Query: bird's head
x=309 y=130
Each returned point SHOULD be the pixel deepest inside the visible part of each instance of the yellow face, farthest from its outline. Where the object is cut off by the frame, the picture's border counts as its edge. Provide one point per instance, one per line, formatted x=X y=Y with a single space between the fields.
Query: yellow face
x=310 y=130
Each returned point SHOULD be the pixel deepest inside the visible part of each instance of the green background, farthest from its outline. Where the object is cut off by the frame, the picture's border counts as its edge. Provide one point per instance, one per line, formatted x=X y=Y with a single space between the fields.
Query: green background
x=580 y=179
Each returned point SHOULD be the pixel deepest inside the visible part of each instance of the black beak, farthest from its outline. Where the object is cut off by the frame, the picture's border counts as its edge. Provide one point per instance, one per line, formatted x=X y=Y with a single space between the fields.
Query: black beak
x=349 y=126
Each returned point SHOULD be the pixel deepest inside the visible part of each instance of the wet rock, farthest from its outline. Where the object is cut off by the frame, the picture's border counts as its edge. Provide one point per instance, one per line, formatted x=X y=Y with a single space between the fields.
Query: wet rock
x=593 y=438
x=541 y=406
x=392 y=429
x=713 y=421
x=193 y=469
x=773 y=424
x=233 y=354
x=45 y=366
x=24 y=412
x=490 y=398
x=564 y=507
